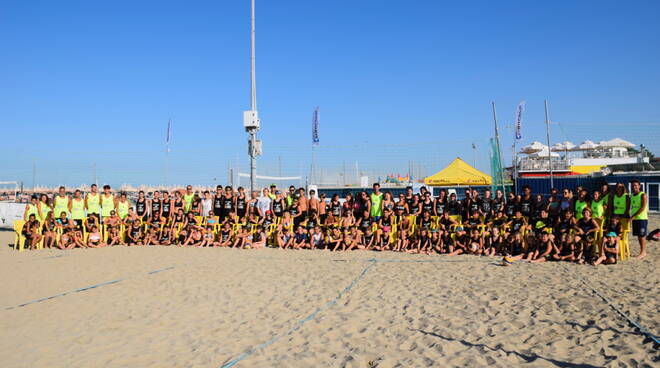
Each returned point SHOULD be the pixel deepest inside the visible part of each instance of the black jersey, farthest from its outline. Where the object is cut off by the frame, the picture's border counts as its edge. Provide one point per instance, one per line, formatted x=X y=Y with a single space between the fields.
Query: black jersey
x=498 y=204
x=155 y=207
x=178 y=218
x=517 y=224
x=365 y=223
x=563 y=226
x=486 y=205
x=409 y=201
x=167 y=208
x=427 y=206
x=527 y=206
x=440 y=206
x=178 y=204
x=278 y=207
x=386 y=221
x=293 y=211
x=141 y=207
x=510 y=208
x=424 y=223
x=454 y=208
x=227 y=205
x=336 y=208
x=585 y=225
x=311 y=223
x=241 y=207
x=217 y=204
x=474 y=206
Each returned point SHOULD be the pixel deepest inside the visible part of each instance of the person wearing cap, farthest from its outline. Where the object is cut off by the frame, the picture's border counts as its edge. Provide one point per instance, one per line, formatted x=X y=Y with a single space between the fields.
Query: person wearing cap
x=610 y=249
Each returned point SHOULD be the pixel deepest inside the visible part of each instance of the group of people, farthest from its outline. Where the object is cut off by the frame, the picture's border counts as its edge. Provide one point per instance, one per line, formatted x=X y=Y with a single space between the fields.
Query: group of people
x=582 y=226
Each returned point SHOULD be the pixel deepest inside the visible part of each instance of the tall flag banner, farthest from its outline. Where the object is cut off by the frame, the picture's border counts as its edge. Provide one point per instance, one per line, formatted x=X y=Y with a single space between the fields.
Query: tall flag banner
x=519 y=114
x=315 y=127
x=169 y=134
x=495 y=167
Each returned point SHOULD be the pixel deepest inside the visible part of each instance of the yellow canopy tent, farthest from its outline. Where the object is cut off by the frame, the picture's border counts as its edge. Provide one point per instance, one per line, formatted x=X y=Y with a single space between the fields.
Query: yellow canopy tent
x=458 y=173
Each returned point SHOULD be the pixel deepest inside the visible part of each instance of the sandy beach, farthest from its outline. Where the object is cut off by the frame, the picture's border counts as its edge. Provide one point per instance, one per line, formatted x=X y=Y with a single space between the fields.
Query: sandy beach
x=183 y=307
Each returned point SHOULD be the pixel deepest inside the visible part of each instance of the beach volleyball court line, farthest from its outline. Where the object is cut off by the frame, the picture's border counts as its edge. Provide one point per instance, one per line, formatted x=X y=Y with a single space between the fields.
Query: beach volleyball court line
x=643 y=330
x=301 y=322
x=84 y=289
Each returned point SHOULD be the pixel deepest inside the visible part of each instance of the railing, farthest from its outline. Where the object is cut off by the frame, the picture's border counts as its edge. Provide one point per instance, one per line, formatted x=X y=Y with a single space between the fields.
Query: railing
x=542 y=165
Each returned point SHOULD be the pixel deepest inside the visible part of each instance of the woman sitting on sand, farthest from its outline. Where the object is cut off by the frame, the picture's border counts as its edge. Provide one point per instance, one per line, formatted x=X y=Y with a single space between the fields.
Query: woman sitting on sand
x=165 y=236
x=94 y=239
x=134 y=235
x=114 y=237
x=225 y=236
x=208 y=237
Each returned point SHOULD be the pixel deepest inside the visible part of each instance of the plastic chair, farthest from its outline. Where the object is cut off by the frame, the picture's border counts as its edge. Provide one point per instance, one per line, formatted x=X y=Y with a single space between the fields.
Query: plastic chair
x=624 y=245
x=19 y=239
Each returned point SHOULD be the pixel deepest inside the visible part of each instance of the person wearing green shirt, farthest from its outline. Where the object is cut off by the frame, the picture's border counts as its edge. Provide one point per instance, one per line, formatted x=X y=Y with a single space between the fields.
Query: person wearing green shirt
x=188 y=199
x=31 y=209
x=639 y=215
x=598 y=205
x=619 y=203
x=77 y=209
x=93 y=201
x=290 y=196
x=376 y=202
x=61 y=202
x=580 y=203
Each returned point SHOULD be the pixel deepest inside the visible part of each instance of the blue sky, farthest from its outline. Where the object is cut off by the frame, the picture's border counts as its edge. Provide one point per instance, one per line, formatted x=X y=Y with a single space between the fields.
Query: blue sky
x=93 y=83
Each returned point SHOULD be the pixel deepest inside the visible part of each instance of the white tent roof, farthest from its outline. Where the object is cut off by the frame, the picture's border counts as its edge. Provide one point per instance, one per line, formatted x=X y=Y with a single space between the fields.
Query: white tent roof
x=563 y=146
x=535 y=146
x=587 y=145
x=616 y=142
x=543 y=153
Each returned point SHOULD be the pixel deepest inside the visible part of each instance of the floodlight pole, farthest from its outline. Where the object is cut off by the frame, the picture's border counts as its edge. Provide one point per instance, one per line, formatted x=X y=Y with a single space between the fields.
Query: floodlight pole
x=547 y=133
x=252 y=130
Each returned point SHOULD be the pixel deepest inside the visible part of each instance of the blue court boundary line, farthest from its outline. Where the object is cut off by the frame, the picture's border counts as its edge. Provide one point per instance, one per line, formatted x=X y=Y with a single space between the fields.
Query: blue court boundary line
x=301 y=322
x=83 y=289
x=643 y=330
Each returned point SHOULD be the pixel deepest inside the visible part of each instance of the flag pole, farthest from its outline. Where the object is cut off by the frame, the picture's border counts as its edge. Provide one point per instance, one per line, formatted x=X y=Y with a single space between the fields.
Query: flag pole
x=167 y=151
x=315 y=142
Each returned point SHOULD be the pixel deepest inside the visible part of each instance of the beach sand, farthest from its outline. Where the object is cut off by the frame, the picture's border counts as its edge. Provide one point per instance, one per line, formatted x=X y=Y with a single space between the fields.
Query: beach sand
x=273 y=308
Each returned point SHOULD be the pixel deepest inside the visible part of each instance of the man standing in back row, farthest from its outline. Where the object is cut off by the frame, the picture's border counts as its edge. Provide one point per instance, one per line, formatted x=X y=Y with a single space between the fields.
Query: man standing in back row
x=639 y=215
x=376 y=203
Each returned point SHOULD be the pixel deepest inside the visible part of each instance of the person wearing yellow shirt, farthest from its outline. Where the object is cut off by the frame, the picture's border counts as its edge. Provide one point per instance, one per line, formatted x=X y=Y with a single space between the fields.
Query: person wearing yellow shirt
x=108 y=202
x=77 y=209
x=93 y=201
x=61 y=203
x=188 y=199
x=639 y=215
x=31 y=208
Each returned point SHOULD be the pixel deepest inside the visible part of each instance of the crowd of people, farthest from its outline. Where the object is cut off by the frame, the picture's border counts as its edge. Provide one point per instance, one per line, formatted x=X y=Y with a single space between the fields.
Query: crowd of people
x=579 y=226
